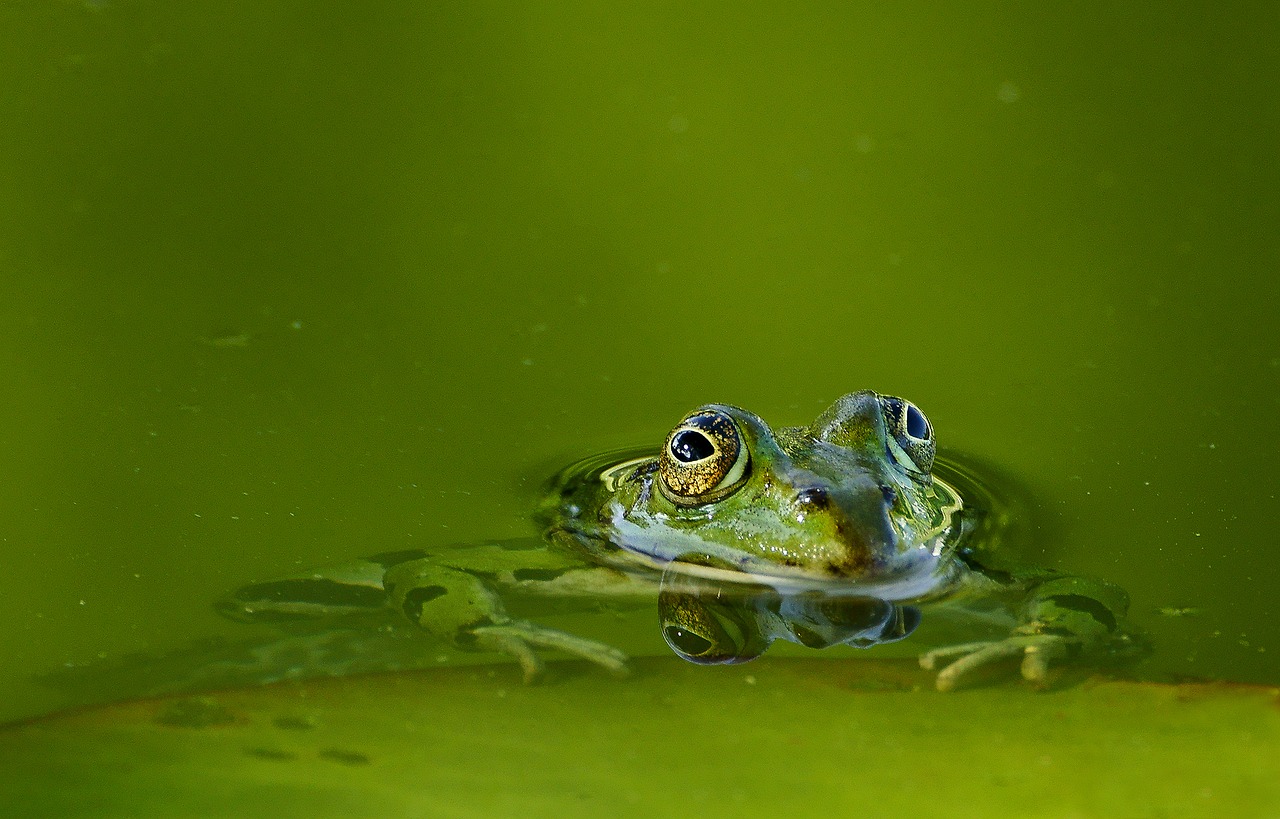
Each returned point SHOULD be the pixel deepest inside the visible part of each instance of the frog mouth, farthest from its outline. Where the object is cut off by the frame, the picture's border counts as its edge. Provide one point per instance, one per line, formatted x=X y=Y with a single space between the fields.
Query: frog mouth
x=909 y=576
x=908 y=581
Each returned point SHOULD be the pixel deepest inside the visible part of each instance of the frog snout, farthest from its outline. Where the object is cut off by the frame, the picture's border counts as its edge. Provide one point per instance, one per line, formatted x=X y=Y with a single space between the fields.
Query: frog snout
x=850 y=505
x=859 y=520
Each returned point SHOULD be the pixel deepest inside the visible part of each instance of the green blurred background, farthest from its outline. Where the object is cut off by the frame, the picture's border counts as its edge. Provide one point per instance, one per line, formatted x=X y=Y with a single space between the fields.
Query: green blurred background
x=287 y=283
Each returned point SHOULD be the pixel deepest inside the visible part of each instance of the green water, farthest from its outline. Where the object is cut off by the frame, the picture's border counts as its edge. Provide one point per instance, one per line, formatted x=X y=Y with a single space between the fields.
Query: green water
x=288 y=283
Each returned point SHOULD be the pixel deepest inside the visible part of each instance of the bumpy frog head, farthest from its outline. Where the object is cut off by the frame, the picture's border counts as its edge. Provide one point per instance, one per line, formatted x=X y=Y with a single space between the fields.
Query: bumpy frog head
x=848 y=499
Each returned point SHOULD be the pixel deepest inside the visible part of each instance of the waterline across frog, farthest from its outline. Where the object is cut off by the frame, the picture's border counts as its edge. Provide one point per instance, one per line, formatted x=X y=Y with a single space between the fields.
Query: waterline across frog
x=835 y=532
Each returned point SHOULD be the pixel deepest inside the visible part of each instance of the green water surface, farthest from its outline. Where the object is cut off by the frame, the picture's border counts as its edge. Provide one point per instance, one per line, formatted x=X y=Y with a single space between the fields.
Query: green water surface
x=287 y=283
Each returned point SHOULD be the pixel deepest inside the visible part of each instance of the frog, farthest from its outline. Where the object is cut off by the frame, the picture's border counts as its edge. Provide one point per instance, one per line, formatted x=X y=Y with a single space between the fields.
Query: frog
x=844 y=531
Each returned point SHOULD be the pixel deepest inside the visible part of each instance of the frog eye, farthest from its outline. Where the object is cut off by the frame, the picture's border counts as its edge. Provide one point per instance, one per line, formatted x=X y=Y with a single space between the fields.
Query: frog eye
x=911 y=441
x=703 y=459
x=707 y=631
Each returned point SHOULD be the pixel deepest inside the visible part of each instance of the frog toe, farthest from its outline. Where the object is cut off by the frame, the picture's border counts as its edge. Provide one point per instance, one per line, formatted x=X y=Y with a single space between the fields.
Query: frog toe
x=939 y=657
x=1038 y=654
x=531 y=665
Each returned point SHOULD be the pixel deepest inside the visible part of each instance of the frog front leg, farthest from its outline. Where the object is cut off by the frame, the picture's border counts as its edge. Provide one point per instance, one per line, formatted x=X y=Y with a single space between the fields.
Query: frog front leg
x=1063 y=619
x=458 y=606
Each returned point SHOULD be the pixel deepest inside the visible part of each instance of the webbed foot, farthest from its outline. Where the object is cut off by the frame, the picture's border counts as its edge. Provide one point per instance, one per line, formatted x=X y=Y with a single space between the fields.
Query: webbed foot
x=517 y=638
x=958 y=664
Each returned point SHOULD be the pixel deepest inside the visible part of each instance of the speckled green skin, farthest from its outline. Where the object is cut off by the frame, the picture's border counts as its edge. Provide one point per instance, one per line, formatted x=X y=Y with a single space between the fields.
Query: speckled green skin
x=822 y=505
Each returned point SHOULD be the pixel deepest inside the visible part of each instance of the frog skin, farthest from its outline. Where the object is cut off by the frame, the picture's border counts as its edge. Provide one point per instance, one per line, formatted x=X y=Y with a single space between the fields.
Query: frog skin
x=840 y=532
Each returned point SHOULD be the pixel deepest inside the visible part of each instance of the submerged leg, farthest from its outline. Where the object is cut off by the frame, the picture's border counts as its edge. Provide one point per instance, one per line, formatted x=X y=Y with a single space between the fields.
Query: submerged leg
x=460 y=607
x=1062 y=618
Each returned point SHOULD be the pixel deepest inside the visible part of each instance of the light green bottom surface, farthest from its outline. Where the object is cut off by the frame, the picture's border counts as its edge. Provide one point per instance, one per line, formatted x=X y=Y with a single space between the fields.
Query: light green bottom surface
x=785 y=737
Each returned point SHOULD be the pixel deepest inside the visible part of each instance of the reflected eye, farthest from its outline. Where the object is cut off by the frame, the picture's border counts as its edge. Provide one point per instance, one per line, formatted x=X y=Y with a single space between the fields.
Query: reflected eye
x=703 y=459
x=912 y=444
x=709 y=631
x=709 y=623
x=686 y=643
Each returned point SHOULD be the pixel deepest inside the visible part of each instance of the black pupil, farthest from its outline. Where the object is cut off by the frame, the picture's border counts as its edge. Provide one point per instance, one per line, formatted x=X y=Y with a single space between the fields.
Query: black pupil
x=689 y=446
x=687 y=641
x=917 y=426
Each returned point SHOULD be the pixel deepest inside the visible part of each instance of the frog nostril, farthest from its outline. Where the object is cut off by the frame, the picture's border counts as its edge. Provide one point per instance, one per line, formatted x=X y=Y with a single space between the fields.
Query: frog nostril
x=814 y=496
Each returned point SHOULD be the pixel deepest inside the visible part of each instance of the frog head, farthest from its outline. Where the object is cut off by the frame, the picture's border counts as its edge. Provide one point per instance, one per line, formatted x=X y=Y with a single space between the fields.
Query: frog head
x=848 y=499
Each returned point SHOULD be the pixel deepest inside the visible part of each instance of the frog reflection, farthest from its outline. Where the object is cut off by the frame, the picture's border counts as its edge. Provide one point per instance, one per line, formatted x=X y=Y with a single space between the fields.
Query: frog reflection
x=713 y=622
